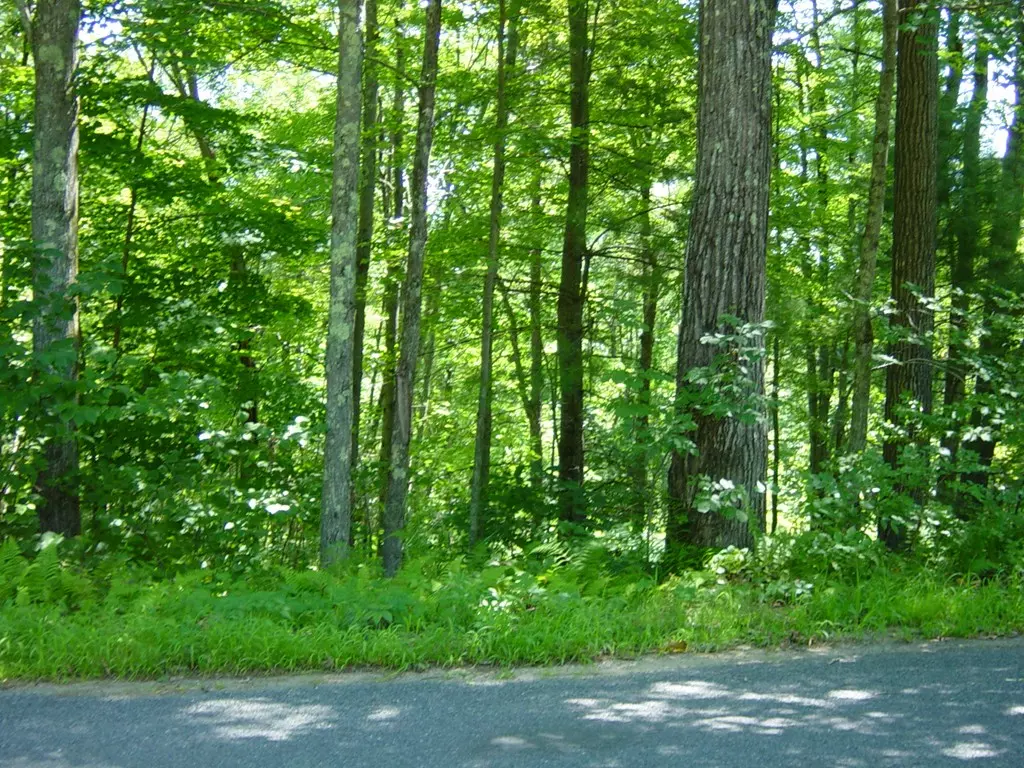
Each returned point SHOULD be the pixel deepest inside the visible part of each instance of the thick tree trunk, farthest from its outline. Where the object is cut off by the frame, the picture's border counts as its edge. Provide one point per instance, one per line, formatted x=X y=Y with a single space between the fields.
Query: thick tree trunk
x=571 y=504
x=863 y=335
x=336 y=507
x=405 y=374
x=914 y=239
x=55 y=330
x=482 y=448
x=725 y=265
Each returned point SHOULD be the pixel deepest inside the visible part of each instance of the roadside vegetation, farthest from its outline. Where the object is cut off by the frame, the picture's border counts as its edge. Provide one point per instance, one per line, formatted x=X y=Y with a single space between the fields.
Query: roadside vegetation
x=553 y=606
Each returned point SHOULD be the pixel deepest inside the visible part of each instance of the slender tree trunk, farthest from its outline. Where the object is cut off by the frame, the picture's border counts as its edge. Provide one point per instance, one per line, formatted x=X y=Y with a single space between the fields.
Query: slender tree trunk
x=536 y=347
x=967 y=229
x=571 y=291
x=55 y=329
x=364 y=237
x=392 y=280
x=1003 y=269
x=129 y=235
x=336 y=508
x=725 y=265
x=482 y=448
x=914 y=239
x=652 y=276
x=405 y=375
x=863 y=335
x=517 y=356
x=776 y=436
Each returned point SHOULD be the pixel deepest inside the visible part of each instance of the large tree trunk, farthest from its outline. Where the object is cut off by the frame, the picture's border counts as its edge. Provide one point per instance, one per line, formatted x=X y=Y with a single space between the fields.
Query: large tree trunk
x=482 y=448
x=570 y=290
x=405 y=375
x=55 y=331
x=914 y=238
x=863 y=335
x=725 y=265
x=336 y=508
x=364 y=237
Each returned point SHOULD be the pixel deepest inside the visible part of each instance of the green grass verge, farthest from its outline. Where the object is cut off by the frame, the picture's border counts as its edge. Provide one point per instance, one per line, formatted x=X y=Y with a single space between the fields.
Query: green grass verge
x=198 y=624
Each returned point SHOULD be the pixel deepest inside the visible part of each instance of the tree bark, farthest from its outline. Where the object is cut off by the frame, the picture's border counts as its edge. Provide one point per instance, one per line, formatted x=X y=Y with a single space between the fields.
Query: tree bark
x=536 y=347
x=571 y=504
x=405 y=375
x=392 y=277
x=482 y=447
x=967 y=229
x=364 y=236
x=336 y=507
x=652 y=276
x=914 y=240
x=863 y=335
x=55 y=329
x=725 y=265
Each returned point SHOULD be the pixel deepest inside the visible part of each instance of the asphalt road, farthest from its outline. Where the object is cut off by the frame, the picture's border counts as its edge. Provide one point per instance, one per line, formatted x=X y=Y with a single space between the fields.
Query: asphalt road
x=934 y=704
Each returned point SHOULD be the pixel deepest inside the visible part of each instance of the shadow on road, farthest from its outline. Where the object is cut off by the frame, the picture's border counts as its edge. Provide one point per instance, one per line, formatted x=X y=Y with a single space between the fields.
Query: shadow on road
x=935 y=705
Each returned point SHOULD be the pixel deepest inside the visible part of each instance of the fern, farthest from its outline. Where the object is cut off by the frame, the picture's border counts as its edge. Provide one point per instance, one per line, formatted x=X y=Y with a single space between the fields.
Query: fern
x=12 y=568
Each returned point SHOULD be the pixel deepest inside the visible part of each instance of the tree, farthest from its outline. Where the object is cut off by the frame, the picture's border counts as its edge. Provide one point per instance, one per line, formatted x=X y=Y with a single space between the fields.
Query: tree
x=725 y=270
x=863 y=333
x=405 y=374
x=570 y=289
x=53 y=31
x=482 y=450
x=336 y=510
x=914 y=240
x=367 y=190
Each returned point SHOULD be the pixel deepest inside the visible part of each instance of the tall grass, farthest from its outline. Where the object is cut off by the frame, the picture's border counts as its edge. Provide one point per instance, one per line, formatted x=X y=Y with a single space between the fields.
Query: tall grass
x=56 y=624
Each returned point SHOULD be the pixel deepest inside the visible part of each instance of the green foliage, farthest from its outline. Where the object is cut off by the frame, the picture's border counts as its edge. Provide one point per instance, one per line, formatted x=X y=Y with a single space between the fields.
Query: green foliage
x=556 y=606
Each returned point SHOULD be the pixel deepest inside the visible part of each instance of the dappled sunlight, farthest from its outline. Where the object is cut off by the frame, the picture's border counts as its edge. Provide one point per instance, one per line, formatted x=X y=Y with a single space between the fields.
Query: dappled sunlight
x=971 y=750
x=890 y=709
x=259 y=718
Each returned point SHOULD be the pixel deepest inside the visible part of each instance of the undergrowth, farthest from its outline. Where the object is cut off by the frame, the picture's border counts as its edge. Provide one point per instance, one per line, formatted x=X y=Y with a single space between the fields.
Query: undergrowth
x=551 y=607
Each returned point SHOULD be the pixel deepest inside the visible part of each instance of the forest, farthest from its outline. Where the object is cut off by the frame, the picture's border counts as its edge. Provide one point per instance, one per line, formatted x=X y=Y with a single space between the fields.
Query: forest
x=505 y=331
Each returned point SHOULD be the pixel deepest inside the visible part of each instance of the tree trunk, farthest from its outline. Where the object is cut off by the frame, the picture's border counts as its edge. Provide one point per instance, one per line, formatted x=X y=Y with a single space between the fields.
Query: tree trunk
x=863 y=335
x=1003 y=268
x=364 y=236
x=570 y=290
x=914 y=238
x=536 y=348
x=967 y=229
x=482 y=448
x=391 y=278
x=336 y=508
x=652 y=276
x=405 y=375
x=776 y=435
x=55 y=330
x=725 y=265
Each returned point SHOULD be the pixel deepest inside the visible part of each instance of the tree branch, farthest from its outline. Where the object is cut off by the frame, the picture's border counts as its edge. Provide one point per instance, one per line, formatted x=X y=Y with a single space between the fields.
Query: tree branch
x=25 y=13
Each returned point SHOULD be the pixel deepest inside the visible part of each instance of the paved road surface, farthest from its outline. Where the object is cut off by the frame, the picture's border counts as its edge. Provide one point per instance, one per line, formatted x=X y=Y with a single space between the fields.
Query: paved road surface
x=936 y=704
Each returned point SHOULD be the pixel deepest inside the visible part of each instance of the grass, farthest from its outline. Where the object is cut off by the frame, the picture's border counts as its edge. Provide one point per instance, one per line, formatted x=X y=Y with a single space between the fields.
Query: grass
x=63 y=626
